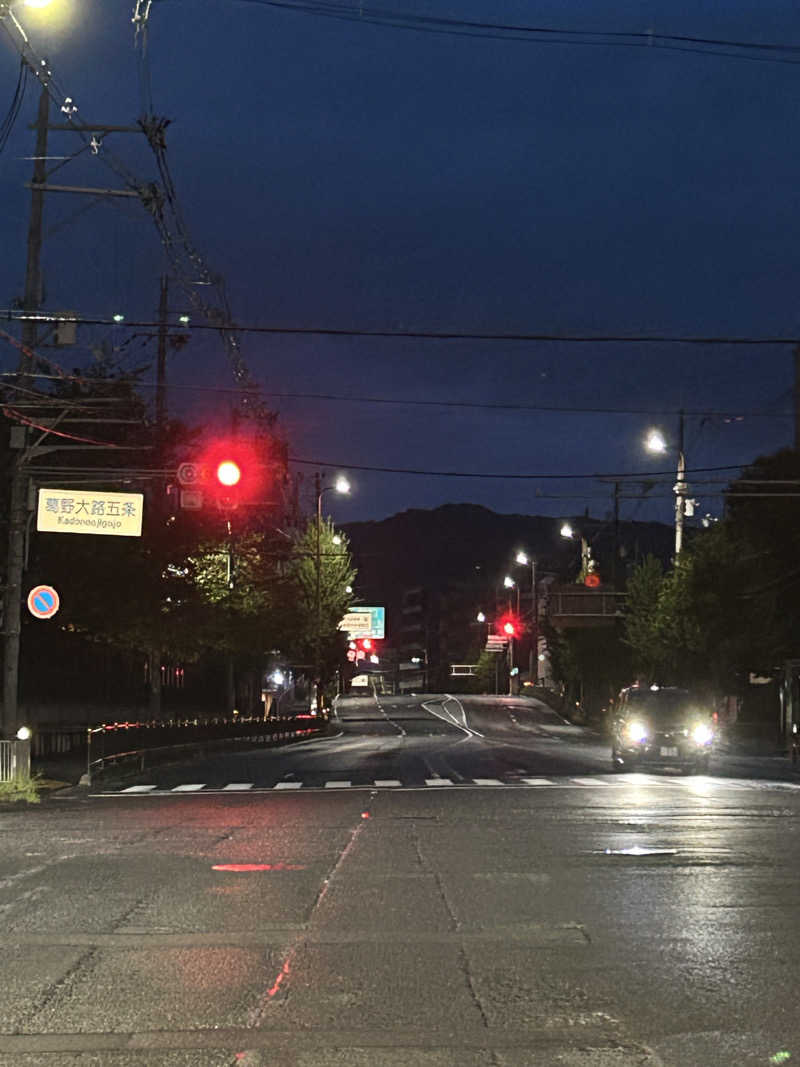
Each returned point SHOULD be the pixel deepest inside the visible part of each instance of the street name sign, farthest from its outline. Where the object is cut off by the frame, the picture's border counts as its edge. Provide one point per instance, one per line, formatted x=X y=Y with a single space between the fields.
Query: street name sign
x=92 y=511
x=43 y=602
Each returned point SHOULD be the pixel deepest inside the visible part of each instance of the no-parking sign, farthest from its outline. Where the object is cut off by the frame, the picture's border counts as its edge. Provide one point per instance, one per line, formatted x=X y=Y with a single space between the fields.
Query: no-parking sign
x=43 y=602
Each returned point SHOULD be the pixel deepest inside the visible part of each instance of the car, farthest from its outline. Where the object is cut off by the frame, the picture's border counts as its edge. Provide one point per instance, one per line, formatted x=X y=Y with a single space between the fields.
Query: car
x=661 y=726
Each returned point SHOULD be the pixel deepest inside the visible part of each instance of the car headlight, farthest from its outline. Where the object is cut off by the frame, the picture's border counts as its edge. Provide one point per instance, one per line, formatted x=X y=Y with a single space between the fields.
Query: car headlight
x=636 y=731
x=702 y=733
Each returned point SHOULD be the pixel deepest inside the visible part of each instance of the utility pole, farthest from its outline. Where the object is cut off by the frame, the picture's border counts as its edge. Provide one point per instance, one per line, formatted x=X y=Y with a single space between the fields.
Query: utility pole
x=680 y=491
x=157 y=505
x=797 y=398
x=18 y=497
x=161 y=368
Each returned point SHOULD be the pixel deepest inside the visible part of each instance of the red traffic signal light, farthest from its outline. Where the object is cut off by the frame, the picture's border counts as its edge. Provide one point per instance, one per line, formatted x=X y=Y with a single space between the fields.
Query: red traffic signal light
x=228 y=473
x=509 y=626
x=366 y=644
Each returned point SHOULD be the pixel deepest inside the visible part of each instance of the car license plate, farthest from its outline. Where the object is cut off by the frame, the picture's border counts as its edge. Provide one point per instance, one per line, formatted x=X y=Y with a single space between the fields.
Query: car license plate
x=668 y=751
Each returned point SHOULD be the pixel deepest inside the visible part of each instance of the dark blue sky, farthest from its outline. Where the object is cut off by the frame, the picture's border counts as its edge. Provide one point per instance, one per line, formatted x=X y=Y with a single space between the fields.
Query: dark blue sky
x=347 y=175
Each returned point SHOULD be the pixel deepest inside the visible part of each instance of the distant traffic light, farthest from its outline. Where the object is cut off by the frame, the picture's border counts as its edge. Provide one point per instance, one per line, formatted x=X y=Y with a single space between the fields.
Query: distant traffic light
x=509 y=625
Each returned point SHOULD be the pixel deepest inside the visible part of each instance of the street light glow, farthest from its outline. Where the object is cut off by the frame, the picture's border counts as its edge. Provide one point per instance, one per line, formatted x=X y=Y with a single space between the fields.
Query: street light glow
x=566 y=530
x=342 y=485
x=481 y=617
x=509 y=582
x=655 y=442
x=37 y=3
x=522 y=559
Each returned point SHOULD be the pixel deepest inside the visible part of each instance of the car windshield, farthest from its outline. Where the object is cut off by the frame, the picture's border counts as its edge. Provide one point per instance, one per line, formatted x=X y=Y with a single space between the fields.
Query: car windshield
x=662 y=704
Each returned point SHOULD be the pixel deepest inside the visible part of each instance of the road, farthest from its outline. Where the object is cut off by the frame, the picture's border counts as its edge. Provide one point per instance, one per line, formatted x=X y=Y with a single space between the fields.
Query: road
x=509 y=902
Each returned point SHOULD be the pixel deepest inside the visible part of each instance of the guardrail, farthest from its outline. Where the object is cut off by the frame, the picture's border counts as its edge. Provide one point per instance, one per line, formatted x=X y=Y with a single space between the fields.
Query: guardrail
x=112 y=743
x=103 y=744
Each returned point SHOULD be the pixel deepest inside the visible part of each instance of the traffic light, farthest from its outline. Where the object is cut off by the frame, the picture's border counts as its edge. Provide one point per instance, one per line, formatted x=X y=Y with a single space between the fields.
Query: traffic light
x=229 y=472
x=509 y=625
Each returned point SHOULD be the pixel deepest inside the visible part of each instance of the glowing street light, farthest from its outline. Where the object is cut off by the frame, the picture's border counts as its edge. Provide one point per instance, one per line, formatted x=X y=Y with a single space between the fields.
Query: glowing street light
x=342 y=486
x=656 y=443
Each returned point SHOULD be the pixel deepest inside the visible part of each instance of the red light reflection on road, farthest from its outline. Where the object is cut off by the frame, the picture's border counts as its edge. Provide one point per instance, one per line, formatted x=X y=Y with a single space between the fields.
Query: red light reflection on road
x=239 y=867
x=284 y=973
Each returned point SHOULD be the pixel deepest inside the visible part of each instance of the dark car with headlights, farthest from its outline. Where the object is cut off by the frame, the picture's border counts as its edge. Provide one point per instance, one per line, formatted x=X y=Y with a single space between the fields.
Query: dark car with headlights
x=661 y=726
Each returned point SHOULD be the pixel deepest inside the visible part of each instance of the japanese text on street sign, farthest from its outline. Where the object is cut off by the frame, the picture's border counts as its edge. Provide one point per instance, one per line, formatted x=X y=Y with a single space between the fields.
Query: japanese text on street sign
x=364 y=622
x=90 y=511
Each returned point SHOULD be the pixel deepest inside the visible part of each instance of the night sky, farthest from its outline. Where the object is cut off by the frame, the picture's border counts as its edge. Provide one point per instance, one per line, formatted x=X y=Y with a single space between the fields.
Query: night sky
x=346 y=175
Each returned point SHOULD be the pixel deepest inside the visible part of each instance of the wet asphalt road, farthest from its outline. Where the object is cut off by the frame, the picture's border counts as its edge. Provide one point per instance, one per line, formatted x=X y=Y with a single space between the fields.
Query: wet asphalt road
x=462 y=916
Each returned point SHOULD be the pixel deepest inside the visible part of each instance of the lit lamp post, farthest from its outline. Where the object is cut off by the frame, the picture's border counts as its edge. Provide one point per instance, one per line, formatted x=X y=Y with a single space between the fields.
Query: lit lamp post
x=509 y=583
x=523 y=559
x=569 y=533
x=341 y=485
x=657 y=443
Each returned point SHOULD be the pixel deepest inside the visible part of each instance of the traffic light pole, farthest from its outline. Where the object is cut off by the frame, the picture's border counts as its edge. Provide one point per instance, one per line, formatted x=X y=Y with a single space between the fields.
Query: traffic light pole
x=18 y=497
x=318 y=596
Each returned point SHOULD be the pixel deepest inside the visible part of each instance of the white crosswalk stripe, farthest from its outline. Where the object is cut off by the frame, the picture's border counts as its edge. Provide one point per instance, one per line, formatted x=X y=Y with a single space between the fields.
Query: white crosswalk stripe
x=698 y=786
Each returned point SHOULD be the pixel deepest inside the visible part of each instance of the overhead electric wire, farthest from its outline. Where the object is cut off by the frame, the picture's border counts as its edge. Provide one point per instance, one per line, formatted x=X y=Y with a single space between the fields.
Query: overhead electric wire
x=10 y=117
x=637 y=476
x=718 y=46
x=568 y=337
x=564 y=409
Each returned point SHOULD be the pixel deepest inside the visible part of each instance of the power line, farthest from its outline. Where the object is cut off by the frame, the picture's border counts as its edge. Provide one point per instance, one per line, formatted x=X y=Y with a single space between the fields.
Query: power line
x=456 y=404
x=12 y=315
x=717 y=46
x=637 y=476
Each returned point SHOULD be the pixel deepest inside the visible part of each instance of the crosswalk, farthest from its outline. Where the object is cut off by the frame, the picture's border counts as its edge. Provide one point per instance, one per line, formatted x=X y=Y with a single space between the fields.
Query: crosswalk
x=695 y=784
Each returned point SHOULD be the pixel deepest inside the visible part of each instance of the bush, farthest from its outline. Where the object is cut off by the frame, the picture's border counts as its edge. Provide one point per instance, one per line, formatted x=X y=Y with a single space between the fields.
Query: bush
x=26 y=789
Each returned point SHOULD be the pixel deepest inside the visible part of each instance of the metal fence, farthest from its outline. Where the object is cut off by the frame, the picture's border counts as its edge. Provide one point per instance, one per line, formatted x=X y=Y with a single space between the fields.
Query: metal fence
x=6 y=761
x=15 y=760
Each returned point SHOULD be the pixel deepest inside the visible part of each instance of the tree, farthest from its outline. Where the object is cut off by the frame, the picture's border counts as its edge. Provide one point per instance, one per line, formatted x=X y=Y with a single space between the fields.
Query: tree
x=641 y=621
x=306 y=620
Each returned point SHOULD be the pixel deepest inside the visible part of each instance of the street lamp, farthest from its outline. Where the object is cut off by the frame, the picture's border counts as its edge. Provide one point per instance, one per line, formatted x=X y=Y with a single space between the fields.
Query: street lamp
x=656 y=443
x=523 y=559
x=509 y=583
x=569 y=533
x=341 y=485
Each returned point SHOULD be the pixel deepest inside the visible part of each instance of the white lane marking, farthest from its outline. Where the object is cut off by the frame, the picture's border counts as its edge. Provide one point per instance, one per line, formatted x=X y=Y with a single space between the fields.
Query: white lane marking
x=588 y=781
x=387 y=782
x=337 y=785
x=537 y=781
x=191 y=787
x=487 y=781
x=139 y=788
x=449 y=718
x=238 y=786
x=438 y=781
x=288 y=785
